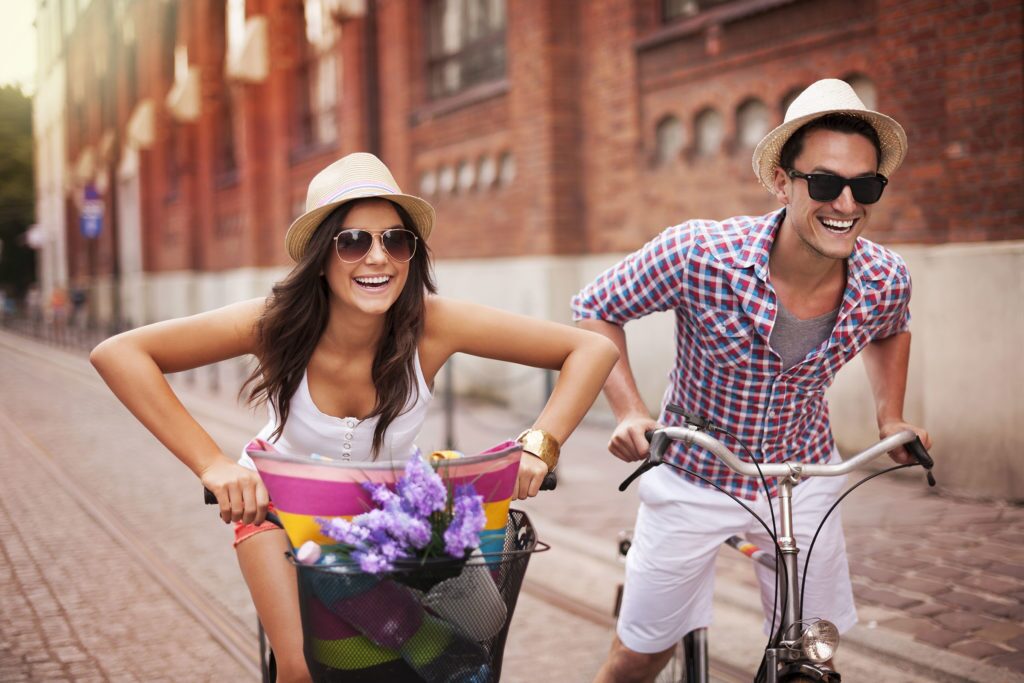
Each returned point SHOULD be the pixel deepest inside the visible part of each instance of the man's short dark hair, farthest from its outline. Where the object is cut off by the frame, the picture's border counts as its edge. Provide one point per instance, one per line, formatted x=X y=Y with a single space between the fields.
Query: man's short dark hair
x=839 y=123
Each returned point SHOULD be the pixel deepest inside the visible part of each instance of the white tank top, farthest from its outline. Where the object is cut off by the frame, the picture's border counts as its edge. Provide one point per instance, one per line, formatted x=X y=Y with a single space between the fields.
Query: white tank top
x=309 y=431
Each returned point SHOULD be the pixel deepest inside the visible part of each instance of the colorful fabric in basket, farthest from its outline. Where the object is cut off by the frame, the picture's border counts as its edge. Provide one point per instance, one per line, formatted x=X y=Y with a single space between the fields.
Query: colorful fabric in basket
x=303 y=490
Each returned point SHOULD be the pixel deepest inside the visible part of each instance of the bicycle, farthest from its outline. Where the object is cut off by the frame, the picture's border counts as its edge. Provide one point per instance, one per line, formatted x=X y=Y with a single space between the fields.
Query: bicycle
x=799 y=648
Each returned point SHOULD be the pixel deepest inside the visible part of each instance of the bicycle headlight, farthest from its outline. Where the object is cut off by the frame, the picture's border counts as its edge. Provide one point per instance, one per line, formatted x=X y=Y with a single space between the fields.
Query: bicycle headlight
x=820 y=641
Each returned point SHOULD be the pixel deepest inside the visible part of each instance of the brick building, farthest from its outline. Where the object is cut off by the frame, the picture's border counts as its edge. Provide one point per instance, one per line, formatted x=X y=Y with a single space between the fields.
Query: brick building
x=551 y=135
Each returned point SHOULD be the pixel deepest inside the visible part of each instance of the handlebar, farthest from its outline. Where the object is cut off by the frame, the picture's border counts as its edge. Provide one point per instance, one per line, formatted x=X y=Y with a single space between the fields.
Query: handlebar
x=549 y=484
x=691 y=434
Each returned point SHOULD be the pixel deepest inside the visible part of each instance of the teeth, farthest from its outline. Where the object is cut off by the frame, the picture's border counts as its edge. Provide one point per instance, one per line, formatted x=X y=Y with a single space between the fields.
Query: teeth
x=378 y=280
x=837 y=224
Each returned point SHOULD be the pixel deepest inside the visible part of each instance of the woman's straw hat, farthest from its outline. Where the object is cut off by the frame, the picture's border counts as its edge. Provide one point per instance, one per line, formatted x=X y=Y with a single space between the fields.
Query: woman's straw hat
x=829 y=96
x=356 y=176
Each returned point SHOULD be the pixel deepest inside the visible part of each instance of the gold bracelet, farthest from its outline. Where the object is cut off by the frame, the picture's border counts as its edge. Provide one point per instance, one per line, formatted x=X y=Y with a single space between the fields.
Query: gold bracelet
x=541 y=444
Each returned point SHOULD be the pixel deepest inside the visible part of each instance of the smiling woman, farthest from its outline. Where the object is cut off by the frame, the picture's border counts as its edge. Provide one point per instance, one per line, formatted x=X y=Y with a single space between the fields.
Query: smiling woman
x=347 y=347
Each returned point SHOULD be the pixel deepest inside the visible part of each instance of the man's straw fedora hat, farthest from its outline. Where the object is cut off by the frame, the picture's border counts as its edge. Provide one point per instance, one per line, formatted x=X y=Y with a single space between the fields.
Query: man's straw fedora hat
x=355 y=176
x=829 y=96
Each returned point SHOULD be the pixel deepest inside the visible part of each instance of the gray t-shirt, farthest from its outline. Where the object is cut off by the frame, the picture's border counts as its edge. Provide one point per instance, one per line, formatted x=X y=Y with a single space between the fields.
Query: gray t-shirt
x=793 y=338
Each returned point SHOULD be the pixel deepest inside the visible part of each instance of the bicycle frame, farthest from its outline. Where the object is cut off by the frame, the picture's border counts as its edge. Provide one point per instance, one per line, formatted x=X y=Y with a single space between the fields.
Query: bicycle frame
x=785 y=656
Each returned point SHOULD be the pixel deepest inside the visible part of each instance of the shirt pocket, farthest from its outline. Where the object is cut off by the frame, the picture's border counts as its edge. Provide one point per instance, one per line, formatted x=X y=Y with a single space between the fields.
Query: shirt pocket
x=725 y=336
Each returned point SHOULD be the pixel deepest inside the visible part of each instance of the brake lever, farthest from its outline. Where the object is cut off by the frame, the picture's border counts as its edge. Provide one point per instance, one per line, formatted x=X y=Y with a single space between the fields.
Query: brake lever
x=651 y=462
x=917 y=449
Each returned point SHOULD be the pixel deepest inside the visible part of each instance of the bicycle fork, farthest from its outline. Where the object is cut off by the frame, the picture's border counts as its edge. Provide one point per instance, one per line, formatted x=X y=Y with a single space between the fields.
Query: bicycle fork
x=787 y=653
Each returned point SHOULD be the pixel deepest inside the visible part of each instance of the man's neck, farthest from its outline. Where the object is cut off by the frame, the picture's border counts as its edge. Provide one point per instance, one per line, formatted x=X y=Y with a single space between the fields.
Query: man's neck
x=806 y=283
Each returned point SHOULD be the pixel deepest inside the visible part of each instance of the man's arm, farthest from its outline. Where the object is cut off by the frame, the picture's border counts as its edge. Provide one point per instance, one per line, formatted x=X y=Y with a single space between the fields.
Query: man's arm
x=886 y=361
x=628 y=441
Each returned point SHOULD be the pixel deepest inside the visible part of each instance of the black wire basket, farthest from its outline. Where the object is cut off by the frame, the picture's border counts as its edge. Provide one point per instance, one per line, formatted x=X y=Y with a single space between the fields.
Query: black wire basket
x=436 y=621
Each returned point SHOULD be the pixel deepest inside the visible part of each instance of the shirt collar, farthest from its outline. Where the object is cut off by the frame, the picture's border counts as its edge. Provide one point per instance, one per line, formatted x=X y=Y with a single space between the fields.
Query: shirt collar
x=755 y=249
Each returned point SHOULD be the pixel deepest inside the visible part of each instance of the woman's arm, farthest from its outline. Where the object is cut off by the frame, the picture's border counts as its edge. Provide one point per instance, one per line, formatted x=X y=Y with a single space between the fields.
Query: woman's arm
x=583 y=358
x=133 y=365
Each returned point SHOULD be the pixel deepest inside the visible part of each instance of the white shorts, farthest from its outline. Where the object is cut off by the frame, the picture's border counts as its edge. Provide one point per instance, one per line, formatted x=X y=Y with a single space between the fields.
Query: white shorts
x=679 y=529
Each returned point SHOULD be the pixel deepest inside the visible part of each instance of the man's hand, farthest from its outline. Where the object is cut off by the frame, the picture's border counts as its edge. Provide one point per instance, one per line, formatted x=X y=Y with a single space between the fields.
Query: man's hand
x=900 y=455
x=628 y=442
x=532 y=471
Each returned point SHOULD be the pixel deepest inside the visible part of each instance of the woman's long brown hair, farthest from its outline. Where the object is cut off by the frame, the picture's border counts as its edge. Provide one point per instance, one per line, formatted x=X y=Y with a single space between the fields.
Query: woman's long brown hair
x=296 y=317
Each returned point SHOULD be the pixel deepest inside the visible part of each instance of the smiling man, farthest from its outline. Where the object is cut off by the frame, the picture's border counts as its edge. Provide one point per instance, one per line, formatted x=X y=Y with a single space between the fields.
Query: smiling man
x=767 y=310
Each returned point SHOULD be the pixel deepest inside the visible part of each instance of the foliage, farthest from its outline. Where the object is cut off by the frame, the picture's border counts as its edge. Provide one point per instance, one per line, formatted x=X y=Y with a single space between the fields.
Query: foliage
x=17 y=192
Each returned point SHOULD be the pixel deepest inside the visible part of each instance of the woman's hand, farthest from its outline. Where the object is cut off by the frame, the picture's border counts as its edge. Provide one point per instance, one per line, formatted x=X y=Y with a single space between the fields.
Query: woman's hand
x=240 y=492
x=532 y=471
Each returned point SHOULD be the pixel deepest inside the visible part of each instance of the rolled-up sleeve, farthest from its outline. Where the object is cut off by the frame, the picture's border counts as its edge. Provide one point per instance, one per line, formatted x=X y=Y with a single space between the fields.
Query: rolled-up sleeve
x=648 y=280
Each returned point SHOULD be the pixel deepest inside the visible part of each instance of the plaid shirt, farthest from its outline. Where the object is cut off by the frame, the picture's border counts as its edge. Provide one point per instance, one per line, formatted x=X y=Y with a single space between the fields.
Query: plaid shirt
x=715 y=276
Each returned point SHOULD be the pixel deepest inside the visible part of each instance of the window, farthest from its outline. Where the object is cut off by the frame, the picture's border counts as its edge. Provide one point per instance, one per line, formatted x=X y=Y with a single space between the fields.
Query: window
x=224 y=21
x=753 y=121
x=788 y=98
x=172 y=159
x=680 y=9
x=669 y=139
x=466 y=44
x=226 y=160
x=708 y=130
x=316 y=80
x=170 y=40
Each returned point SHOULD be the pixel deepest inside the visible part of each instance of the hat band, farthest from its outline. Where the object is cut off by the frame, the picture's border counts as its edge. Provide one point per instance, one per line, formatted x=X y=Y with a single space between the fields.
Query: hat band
x=350 y=188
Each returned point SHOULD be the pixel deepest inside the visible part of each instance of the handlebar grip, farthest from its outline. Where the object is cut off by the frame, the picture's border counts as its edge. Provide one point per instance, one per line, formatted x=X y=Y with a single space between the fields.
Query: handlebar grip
x=550 y=482
x=208 y=497
x=917 y=449
x=649 y=434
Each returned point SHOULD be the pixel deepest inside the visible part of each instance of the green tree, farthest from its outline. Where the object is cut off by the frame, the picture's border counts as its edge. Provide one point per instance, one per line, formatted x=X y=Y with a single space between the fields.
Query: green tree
x=17 y=191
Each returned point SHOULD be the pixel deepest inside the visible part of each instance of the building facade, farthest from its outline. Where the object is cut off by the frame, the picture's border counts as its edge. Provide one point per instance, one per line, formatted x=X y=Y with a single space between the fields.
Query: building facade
x=552 y=136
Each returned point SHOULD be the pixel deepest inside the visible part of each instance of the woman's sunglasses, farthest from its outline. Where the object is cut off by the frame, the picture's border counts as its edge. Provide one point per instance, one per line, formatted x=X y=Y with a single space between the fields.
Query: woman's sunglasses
x=353 y=245
x=824 y=187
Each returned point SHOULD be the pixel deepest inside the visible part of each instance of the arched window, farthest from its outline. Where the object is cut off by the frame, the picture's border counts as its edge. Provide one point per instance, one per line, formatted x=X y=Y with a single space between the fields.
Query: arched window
x=466 y=176
x=708 y=127
x=446 y=179
x=487 y=172
x=669 y=139
x=787 y=100
x=506 y=169
x=753 y=121
x=428 y=183
x=865 y=89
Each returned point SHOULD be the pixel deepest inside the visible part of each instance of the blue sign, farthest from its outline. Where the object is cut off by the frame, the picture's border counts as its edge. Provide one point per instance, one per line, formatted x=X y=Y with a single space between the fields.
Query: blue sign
x=90 y=220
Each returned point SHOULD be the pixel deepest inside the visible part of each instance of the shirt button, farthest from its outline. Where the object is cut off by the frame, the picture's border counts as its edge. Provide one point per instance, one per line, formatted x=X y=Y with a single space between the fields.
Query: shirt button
x=351 y=424
x=772 y=413
x=348 y=436
x=348 y=446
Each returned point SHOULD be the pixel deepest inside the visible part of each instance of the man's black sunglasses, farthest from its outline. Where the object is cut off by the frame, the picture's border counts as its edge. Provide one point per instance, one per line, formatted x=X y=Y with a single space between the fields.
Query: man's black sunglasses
x=824 y=187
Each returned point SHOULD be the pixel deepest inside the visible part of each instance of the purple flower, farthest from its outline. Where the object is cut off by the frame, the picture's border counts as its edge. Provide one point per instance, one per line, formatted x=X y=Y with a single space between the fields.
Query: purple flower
x=413 y=517
x=421 y=490
x=371 y=561
x=468 y=519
